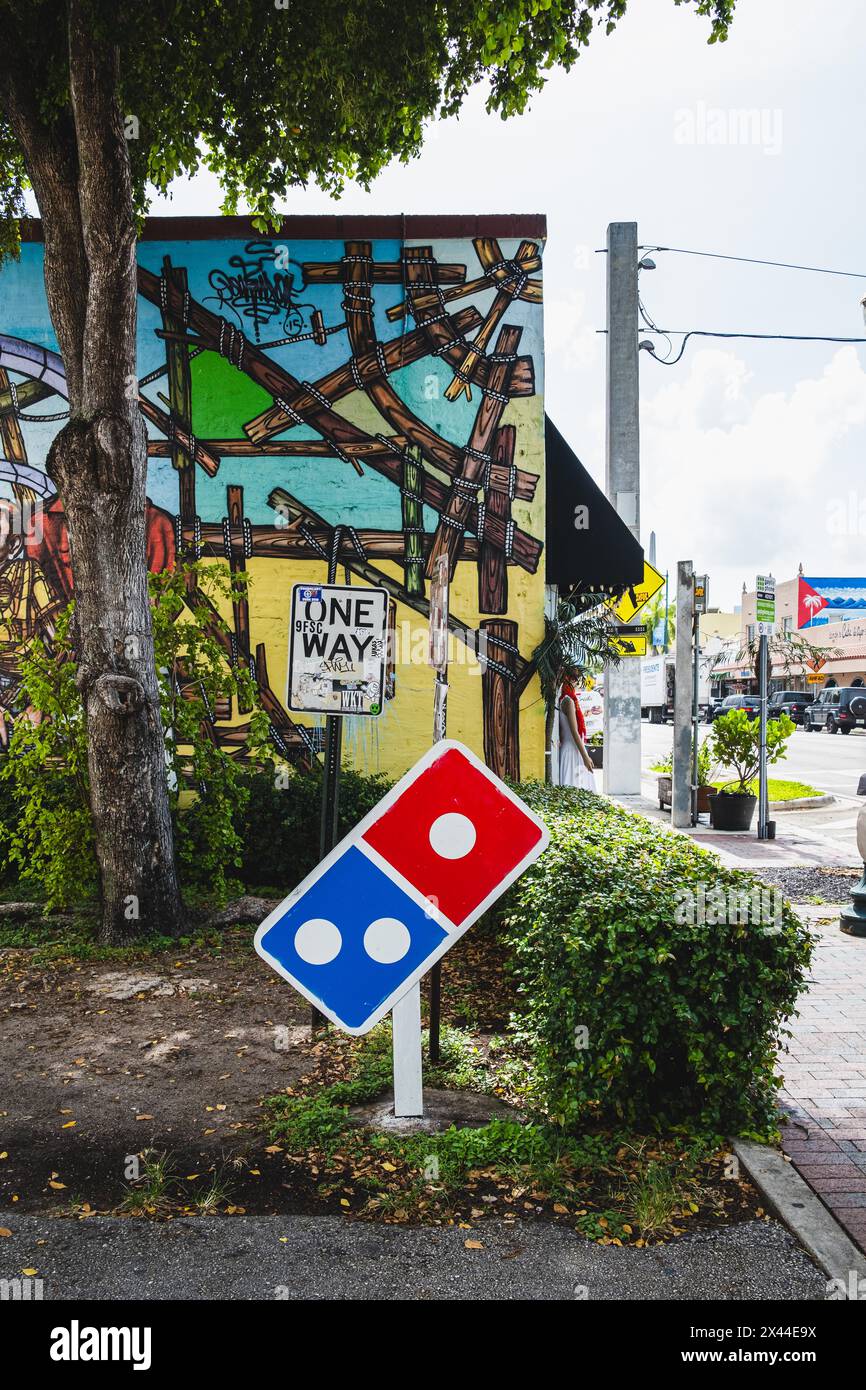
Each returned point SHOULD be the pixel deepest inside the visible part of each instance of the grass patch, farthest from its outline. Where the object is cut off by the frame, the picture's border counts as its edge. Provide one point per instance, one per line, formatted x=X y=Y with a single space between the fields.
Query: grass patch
x=780 y=790
x=70 y=937
x=160 y=1193
x=607 y=1185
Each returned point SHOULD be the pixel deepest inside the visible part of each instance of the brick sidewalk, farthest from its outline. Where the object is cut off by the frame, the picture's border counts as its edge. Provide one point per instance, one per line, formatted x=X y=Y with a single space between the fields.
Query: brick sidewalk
x=825 y=1077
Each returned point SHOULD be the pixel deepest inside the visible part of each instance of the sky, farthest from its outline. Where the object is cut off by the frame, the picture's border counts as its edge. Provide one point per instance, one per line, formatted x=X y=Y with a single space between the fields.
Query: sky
x=752 y=453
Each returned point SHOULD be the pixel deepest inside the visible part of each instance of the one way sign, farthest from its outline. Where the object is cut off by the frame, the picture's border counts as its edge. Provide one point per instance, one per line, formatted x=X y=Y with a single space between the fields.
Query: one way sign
x=338 y=650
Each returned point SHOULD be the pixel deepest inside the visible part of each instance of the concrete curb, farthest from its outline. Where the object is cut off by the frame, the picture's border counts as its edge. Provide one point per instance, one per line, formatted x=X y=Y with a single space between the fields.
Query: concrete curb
x=803 y=803
x=791 y=1198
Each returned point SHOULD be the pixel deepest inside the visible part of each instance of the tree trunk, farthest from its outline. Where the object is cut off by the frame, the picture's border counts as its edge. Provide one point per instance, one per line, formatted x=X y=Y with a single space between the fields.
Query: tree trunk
x=549 y=716
x=80 y=172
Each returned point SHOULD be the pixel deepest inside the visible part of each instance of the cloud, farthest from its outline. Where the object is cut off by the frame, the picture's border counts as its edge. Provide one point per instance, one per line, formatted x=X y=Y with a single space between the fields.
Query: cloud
x=743 y=482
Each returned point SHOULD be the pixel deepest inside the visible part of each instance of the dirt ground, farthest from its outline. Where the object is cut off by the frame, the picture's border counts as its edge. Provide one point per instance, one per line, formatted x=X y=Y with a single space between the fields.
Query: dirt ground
x=172 y=1052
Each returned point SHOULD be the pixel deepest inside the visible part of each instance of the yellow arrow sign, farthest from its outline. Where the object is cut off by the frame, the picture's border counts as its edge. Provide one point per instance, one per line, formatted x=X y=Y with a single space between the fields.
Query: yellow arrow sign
x=634 y=598
x=630 y=646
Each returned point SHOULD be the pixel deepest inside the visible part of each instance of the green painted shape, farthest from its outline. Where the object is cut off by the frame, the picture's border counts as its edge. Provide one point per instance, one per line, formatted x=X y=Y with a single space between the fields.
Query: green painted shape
x=223 y=399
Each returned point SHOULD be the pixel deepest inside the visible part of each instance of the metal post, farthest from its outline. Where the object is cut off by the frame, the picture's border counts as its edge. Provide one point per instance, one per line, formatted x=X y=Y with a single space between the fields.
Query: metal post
x=696 y=644
x=329 y=825
x=763 y=798
x=440 y=729
x=667 y=628
x=622 y=728
x=681 y=801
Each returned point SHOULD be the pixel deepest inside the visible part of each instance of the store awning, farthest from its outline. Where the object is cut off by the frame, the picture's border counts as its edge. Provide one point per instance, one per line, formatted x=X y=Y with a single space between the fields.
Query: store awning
x=591 y=548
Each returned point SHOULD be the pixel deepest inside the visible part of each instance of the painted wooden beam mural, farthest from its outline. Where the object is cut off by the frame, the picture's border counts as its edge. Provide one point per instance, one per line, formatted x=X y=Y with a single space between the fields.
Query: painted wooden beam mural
x=379 y=399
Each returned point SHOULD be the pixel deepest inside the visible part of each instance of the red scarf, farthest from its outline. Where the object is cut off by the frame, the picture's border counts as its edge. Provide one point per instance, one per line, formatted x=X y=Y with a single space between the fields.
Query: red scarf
x=569 y=693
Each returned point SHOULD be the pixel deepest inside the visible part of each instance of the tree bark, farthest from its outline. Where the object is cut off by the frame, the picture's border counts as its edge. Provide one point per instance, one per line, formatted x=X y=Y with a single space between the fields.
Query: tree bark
x=80 y=172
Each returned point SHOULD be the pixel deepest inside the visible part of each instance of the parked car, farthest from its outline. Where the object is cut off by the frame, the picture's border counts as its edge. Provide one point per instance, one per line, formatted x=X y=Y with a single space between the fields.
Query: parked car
x=838 y=709
x=794 y=703
x=750 y=703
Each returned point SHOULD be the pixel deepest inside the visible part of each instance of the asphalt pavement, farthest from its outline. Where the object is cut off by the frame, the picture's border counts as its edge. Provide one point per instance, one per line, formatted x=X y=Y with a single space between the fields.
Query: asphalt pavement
x=330 y=1257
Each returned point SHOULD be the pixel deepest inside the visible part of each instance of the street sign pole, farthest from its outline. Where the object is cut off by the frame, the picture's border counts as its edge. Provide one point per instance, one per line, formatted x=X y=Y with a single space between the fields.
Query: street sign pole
x=695 y=731
x=329 y=825
x=765 y=615
x=337 y=662
x=763 y=799
x=438 y=655
x=406 y=1048
x=699 y=608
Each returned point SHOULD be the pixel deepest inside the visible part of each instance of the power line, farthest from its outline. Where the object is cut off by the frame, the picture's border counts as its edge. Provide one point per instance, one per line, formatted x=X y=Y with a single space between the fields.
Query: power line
x=768 y=337
x=752 y=260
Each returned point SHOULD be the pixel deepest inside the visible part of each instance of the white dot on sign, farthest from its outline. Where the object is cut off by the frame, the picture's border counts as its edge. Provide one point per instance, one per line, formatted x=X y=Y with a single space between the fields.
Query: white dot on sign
x=452 y=835
x=387 y=940
x=318 y=941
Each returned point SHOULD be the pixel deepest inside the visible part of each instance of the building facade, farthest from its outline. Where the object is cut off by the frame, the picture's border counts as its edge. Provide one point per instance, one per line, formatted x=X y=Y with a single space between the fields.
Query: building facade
x=370 y=389
x=827 y=612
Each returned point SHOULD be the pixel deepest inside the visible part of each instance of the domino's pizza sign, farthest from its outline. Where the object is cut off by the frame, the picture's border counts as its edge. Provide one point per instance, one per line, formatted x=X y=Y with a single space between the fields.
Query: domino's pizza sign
x=398 y=892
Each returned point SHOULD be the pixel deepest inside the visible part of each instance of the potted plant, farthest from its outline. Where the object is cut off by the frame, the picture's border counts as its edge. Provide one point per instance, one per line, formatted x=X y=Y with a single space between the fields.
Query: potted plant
x=705 y=778
x=736 y=746
x=595 y=748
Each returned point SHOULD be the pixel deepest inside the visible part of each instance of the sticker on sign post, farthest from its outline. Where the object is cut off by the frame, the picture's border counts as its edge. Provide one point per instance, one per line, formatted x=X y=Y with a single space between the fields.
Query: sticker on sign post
x=338 y=649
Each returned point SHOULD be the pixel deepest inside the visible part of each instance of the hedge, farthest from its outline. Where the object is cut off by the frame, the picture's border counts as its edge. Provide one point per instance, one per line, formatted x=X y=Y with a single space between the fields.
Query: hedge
x=627 y=1009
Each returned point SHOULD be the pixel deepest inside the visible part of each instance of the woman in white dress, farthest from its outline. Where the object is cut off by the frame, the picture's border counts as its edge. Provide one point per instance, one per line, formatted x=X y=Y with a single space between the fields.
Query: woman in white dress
x=575 y=765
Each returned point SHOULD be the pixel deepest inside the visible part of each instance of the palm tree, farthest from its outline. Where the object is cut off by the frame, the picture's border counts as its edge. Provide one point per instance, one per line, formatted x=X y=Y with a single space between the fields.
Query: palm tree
x=581 y=635
x=654 y=613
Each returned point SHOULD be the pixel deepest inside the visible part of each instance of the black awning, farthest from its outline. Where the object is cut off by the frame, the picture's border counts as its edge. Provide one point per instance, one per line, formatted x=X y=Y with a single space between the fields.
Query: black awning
x=604 y=555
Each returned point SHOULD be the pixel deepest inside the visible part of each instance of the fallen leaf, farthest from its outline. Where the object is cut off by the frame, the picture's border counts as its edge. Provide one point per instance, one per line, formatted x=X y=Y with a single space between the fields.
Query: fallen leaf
x=5 y=1231
x=29 y=1272
x=58 y=1186
x=473 y=1245
x=70 y=1124
x=144 y=1117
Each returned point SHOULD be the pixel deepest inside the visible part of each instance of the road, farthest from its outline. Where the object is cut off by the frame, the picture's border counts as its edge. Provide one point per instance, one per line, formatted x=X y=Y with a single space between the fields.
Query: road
x=832 y=763
x=329 y=1257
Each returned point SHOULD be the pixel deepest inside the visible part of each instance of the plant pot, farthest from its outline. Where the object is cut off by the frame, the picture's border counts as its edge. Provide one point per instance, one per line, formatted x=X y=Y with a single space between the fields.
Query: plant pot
x=732 y=810
x=596 y=753
x=665 y=784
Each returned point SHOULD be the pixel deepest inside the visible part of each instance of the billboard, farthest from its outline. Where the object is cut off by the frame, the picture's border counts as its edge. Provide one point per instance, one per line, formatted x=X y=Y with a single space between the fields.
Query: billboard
x=821 y=601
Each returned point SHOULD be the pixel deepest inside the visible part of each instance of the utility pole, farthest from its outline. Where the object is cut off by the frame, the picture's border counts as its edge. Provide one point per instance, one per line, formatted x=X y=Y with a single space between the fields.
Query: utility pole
x=622 y=483
x=681 y=795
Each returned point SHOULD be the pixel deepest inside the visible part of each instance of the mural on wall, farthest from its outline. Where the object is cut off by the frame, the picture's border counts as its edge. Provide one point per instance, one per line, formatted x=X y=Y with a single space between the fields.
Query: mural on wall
x=824 y=601
x=377 y=403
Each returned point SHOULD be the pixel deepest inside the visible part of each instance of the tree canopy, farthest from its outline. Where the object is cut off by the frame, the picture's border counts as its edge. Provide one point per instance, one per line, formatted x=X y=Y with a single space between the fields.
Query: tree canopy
x=274 y=93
